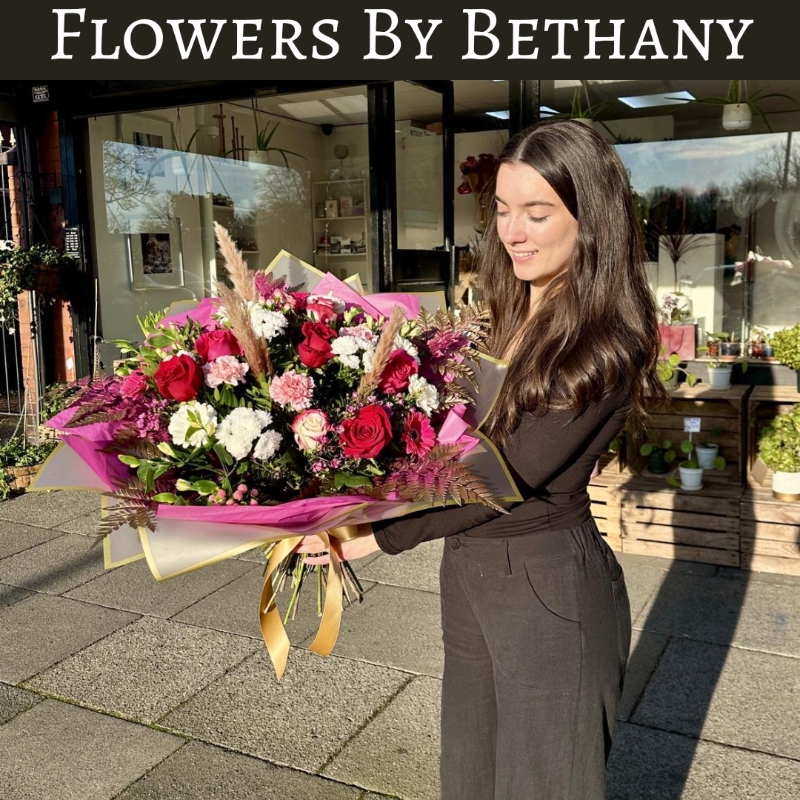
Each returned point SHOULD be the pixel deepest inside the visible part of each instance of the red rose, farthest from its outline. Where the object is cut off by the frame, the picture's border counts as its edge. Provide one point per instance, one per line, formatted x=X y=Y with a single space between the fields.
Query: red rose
x=315 y=350
x=367 y=433
x=399 y=368
x=300 y=299
x=213 y=344
x=179 y=378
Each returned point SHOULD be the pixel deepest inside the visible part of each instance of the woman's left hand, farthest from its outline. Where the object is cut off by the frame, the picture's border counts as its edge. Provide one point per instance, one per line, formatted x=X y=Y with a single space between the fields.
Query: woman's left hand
x=362 y=545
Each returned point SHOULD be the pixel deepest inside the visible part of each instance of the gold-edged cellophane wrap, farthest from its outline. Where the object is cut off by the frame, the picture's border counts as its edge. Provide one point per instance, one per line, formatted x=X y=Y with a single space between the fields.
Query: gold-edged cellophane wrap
x=178 y=546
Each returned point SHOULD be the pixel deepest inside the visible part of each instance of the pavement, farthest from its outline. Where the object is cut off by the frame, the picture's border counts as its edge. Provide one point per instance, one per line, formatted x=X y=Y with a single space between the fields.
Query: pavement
x=115 y=686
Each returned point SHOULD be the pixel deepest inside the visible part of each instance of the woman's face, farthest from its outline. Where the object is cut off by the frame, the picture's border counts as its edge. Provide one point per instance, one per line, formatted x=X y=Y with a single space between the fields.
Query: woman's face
x=533 y=223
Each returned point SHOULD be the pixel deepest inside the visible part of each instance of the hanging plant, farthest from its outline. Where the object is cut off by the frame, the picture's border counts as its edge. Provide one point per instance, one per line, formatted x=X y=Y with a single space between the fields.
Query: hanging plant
x=25 y=269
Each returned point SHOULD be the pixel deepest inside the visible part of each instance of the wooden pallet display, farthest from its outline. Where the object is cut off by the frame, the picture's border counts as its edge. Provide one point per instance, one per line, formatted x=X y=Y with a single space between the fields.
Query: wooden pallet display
x=723 y=419
x=659 y=520
x=764 y=404
x=606 y=509
x=770 y=533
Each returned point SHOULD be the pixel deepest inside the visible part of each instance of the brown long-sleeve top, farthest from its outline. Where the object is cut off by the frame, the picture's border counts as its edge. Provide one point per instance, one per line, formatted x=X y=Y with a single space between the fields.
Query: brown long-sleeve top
x=551 y=457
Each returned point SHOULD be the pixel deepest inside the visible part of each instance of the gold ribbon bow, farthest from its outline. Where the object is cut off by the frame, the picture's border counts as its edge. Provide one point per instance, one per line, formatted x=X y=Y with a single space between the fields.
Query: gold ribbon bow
x=272 y=629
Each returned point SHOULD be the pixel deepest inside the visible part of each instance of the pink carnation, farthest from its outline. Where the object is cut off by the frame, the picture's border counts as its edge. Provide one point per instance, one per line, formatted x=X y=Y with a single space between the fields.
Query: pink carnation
x=134 y=384
x=292 y=389
x=226 y=369
x=359 y=332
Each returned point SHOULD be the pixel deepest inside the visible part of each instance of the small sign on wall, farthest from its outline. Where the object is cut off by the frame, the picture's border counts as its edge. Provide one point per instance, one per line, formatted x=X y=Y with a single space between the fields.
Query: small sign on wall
x=691 y=424
x=41 y=94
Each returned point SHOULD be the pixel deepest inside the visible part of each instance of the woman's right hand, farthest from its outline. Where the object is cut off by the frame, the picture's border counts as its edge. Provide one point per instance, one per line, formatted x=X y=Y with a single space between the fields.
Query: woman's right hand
x=362 y=545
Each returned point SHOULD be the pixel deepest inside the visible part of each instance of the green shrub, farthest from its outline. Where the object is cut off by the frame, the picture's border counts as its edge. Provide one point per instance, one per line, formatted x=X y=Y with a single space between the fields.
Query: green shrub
x=779 y=442
x=787 y=346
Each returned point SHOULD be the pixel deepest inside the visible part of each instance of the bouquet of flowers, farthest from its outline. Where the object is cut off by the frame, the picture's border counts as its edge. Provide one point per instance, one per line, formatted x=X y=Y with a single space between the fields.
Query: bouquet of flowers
x=269 y=413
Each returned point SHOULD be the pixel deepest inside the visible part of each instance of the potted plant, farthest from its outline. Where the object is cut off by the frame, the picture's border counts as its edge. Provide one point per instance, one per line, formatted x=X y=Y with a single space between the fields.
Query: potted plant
x=738 y=106
x=19 y=463
x=659 y=453
x=786 y=344
x=730 y=346
x=713 y=341
x=690 y=471
x=38 y=267
x=720 y=372
x=260 y=154
x=708 y=456
x=669 y=368
x=779 y=449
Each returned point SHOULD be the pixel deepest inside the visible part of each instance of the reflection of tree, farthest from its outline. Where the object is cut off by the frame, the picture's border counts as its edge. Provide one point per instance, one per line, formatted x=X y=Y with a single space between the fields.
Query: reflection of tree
x=282 y=200
x=127 y=186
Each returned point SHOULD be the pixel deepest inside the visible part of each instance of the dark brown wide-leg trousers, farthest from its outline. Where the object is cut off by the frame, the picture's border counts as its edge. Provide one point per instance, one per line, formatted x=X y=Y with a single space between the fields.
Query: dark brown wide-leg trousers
x=537 y=631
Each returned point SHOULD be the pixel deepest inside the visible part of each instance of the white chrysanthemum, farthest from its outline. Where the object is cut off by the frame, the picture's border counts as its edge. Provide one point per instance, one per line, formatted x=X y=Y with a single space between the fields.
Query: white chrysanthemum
x=345 y=345
x=267 y=445
x=240 y=429
x=367 y=358
x=423 y=394
x=354 y=362
x=266 y=324
x=193 y=424
x=405 y=344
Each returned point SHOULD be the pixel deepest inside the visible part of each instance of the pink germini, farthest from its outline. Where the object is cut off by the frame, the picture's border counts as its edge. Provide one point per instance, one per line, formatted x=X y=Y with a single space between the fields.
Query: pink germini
x=292 y=389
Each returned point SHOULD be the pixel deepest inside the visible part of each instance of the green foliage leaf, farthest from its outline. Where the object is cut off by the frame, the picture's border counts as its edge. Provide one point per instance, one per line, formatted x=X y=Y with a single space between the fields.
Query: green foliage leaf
x=342 y=479
x=165 y=497
x=131 y=461
x=205 y=487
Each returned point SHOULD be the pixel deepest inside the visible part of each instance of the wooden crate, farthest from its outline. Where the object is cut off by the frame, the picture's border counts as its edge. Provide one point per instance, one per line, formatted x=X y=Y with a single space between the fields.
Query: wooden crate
x=764 y=404
x=723 y=411
x=770 y=533
x=659 y=520
x=606 y=509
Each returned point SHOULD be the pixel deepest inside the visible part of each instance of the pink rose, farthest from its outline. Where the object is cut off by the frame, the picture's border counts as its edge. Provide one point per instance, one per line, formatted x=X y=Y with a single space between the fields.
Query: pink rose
x=310 y=428
x=400 y=367
x=323 y=309
x=292 y=389
x=225 y=369
x=134 y=384
x=213 y=344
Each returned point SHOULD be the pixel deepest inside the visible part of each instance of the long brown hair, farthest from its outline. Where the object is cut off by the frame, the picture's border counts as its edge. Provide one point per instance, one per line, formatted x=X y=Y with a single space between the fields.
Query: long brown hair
x=596 y=324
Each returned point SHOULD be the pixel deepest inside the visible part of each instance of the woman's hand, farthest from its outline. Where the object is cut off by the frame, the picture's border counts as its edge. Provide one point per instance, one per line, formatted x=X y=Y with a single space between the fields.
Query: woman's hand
x=362 y=545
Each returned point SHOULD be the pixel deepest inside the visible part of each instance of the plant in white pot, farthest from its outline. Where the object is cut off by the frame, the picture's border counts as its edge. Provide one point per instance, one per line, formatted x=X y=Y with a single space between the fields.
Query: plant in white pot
x=786 y=345
x=708 y=456
x=690 y=471
x=260 y=154
x=779 y=449
x=720 y=372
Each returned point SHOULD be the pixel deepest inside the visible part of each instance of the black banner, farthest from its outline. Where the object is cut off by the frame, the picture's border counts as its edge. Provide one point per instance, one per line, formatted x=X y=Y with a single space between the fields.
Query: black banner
x=247 y=40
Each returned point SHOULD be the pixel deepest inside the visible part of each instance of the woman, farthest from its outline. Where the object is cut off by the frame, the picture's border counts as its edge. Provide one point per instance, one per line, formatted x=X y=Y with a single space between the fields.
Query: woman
x=535 y=612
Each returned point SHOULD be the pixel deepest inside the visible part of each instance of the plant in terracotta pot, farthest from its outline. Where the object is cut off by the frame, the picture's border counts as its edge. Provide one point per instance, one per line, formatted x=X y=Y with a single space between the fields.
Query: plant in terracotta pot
x=779 y=449
x=713 y=342
x=786 y=343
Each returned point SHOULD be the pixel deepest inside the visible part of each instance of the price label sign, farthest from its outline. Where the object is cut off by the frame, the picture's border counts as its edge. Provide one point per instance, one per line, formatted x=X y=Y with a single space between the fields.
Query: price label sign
x=691 y=424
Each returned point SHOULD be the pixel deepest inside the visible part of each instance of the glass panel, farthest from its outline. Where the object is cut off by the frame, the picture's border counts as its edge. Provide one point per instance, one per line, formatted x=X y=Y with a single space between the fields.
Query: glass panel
x=722 y=221
x=159 y=180
x=419 y=153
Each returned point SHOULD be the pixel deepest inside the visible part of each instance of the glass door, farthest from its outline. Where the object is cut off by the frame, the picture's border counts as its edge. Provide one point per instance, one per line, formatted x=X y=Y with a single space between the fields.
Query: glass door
x=424 y=174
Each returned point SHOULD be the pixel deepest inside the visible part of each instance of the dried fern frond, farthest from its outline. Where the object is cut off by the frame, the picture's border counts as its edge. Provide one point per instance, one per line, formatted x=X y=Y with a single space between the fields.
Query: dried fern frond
x=471 y=321
x=134 y=508
x=371 y=379
x=241 y=276
x=255 y=349
x=92 y=413
x=437 y=476
x=129 y=442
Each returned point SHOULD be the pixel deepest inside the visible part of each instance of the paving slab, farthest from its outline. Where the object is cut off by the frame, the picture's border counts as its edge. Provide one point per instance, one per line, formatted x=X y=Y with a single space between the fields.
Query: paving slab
x=760 y=616
x=41 y=630
x=735 y=697
x=14 y=537
x=398 y=752
x=667 y=564
x=417 y=568
x=12 y=594
x=234 y=608
x=57 y=751
x=202 y=772
x=301 y=721
x=646 y=650
x=15 y=701
x=86 y=525
x=49 y=509
x=396 y=627
x=55 y=566
x=642 y=582
x=132 y=587
x=146 y=669
x=746 y=576
x=653 y=765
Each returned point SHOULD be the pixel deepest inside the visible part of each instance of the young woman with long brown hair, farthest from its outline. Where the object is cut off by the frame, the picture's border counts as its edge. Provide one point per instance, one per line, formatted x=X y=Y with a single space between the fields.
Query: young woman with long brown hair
x=535 y=612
